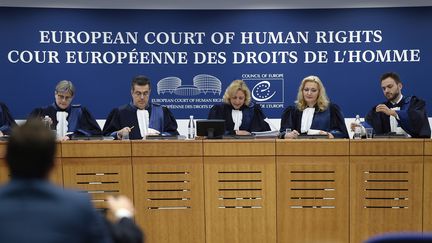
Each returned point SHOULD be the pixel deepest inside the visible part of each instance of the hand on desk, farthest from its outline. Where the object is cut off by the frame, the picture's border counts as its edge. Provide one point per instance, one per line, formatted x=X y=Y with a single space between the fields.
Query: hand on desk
x=242 y=132
x=291 y=135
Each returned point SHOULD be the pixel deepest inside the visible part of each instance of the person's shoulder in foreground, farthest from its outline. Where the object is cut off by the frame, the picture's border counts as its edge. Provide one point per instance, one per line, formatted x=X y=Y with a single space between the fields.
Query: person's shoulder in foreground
x=34 y=210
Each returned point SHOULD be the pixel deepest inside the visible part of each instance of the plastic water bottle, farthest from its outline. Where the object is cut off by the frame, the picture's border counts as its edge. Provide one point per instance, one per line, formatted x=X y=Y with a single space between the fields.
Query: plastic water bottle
x=357 y=129
x=191 y=128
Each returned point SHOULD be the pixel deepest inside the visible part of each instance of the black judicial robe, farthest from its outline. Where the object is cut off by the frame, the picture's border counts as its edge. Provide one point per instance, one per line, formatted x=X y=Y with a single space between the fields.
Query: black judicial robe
x=125 y=116
x=412 y=114
x=252 y=121
x=330 y=120
x=6 y=119
x=80 y=121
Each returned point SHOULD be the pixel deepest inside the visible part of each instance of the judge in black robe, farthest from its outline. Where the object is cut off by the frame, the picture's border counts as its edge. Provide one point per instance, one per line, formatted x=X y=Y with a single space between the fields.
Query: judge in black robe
x=6 y=120
x=80 y=121
x=327 y=118
x=330 y=120
x=125 y=118
x=238 y=106
x=413 y=118
x=253 y=118
x=409 y=112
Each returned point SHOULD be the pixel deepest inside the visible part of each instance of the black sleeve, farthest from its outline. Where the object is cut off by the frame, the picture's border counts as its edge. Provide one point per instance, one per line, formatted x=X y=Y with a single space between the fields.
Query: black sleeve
x=337 y=122
x=288 y=120
x=170 y=123
x=258 y=122
x=112 y=123
x=6 y=120
x=88 y=124
x=126 y=231
x=415 y=120
x=215 y=113
x=378 y=121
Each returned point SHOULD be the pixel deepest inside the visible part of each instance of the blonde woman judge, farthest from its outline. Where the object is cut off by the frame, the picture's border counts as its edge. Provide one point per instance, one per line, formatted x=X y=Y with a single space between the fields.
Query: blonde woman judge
x=313 y=113
x=241 y=115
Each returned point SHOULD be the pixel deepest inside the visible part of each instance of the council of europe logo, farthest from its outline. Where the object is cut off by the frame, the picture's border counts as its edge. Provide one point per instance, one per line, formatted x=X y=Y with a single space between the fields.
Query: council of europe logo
x=202 y=84
x=267 y=90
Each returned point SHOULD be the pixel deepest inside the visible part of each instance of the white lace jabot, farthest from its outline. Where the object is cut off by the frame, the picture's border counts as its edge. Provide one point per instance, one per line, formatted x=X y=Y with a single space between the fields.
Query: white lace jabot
x=143 y=121
x=237 y=117
x=307 y=118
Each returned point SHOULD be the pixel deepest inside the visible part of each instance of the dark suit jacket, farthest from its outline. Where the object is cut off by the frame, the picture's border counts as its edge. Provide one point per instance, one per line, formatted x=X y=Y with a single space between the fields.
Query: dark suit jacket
x=38 y=212
x=126 y=231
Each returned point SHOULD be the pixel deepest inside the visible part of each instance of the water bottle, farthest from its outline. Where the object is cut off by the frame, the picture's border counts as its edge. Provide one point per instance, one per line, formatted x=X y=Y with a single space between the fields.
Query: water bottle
x=357 y=129
x=191 y=128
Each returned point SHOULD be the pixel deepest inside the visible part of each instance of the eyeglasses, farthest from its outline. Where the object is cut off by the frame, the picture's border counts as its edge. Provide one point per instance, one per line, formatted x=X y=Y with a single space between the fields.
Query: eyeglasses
x=139 y=94
x=64 y=97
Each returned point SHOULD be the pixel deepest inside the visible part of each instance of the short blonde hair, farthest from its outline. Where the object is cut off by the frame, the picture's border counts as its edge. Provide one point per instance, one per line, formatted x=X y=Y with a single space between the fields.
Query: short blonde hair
x=232 y=89
x=322 y=100
x=65 y=86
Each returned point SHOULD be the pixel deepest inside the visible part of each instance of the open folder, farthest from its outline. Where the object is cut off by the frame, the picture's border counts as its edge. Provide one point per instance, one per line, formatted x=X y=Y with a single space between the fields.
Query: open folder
x=266 y=134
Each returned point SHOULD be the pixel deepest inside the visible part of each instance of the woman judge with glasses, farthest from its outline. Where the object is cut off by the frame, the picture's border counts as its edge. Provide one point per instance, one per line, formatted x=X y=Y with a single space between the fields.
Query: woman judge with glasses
x=313 y=114
x=241 y=115
x=68 y=120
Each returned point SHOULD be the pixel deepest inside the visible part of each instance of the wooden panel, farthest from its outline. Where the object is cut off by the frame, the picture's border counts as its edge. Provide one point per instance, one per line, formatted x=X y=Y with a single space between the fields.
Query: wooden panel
x=169 y=198
x=99 y=177
x=2 y=149
x=390 y=147
x=157 y=148
x=310 y=147
x=75 y=149
x=427 y=188
x=240 y=199
x=4 y=173
x=427 y=147
x=258 y=147
x=312 y=199
x=386 y=195
x=3 y=146
x=56 y=175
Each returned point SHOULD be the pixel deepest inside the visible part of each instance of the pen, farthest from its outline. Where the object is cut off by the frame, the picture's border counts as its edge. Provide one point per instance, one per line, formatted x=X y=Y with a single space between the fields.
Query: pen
x=131 y=127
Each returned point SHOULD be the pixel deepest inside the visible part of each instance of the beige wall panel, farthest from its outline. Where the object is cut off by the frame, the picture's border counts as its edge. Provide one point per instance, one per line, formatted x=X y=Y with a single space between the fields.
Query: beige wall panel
x=169 y=198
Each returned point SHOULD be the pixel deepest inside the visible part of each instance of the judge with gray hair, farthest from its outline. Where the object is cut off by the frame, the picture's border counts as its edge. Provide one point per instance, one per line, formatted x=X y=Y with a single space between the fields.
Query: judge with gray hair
x=66 y=118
